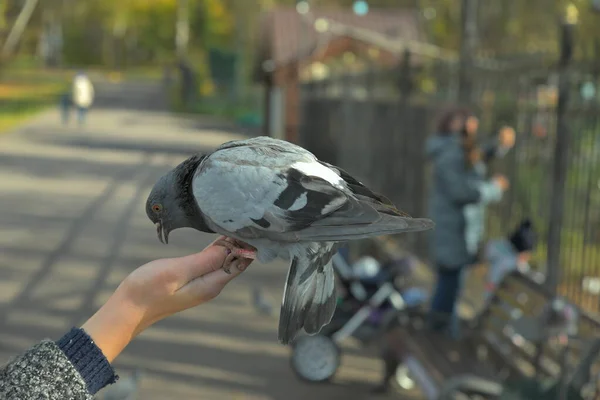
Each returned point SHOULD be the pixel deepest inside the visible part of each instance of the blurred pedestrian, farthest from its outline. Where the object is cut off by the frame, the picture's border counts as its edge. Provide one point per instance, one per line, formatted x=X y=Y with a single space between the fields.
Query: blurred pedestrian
x=457 y=183
x=477 y=159
x=187 y=83
x=168 y=77
x=78 y=365
x=83 y=96
x=65 y=107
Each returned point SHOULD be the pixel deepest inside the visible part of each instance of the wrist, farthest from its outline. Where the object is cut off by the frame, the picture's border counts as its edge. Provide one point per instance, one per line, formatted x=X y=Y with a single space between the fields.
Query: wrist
x=88 y=359
x=114 y=325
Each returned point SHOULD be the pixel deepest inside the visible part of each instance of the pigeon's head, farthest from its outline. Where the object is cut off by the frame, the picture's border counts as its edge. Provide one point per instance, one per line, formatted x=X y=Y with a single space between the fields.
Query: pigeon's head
x=161 y=206
x=171 y=204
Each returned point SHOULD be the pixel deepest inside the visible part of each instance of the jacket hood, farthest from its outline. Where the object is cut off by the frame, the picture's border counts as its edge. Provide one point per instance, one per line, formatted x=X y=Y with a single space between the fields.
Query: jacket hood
x=436 y=144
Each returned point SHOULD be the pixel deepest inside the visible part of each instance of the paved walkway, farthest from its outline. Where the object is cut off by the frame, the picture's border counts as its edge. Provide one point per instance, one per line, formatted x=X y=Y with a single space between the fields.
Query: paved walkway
x=72 y=226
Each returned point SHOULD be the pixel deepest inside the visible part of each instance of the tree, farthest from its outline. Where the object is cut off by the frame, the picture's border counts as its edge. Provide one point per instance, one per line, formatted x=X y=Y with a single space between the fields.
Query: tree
x=18 y=27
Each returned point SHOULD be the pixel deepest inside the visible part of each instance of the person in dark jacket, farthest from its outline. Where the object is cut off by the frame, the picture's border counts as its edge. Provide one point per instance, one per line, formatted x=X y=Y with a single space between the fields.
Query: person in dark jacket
x=456 y=184
x=77 y=366
x=65 y=107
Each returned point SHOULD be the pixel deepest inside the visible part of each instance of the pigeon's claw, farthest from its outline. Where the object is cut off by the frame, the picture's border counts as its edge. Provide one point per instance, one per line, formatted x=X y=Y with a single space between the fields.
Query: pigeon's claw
x=237 y=248
x=239 y=253
x=235 y=262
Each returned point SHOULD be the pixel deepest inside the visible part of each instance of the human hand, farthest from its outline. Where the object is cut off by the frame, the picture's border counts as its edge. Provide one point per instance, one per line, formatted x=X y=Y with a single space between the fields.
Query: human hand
x=156 y=290
x=506 y=137
x=501 y=181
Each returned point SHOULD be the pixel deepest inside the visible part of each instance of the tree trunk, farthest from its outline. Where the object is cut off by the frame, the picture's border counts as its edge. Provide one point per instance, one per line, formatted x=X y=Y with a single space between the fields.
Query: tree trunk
x=19 y=27
x=182 y=29
x=50 y=41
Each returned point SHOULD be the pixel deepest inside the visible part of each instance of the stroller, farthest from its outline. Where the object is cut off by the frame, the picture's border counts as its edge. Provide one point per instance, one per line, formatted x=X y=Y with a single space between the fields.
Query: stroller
x=374 y=295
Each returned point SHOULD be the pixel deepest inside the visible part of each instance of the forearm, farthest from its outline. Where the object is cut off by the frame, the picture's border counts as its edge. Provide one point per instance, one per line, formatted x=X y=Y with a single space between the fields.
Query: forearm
x=114 y=325
x=71 y=368
x=153 y=292
x=490 y=192
x=78 y=365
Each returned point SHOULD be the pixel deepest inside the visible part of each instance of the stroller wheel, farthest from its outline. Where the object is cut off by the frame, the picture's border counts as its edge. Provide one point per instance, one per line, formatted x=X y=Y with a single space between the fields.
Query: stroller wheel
x=315 y=358
x=403 y=378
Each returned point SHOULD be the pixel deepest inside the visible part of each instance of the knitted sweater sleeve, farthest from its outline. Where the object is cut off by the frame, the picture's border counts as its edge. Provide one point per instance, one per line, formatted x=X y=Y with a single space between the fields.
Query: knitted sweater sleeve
x=72 y=368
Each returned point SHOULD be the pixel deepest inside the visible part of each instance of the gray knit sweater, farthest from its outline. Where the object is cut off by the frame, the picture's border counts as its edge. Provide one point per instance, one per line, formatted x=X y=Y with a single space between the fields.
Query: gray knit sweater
x=72 y=368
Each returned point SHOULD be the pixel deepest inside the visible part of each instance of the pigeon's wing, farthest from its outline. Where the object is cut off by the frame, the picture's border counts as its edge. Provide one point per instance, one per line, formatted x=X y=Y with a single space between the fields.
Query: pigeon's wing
x=273 y=189
x=365 y=214
x=265 y=192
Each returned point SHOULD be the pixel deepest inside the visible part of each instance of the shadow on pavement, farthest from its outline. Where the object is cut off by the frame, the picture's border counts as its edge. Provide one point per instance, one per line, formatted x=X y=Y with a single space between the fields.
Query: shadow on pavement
x=85 y=143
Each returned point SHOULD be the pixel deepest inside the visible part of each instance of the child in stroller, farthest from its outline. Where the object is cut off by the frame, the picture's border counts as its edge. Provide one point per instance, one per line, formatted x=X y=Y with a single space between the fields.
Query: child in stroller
x=363 y=284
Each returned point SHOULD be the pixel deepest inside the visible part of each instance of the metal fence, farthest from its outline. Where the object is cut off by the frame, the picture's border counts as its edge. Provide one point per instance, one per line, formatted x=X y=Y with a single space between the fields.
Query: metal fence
x=375 y=126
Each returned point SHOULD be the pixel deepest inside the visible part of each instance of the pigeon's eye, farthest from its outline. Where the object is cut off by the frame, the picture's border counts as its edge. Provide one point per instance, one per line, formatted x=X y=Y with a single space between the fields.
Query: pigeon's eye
x=157 y=208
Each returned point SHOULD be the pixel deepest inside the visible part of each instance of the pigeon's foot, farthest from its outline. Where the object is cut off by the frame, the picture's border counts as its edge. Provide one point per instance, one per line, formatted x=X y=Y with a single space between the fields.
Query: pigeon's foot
x=239 y=253
x=237 y=248
x=240 y=263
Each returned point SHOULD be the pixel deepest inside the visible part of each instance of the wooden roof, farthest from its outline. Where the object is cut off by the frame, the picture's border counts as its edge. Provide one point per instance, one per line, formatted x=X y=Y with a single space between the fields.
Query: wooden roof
x=287 y=36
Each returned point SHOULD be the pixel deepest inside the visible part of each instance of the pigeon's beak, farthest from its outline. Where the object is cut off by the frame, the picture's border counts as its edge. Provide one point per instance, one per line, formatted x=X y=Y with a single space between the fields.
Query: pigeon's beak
x=163 y=235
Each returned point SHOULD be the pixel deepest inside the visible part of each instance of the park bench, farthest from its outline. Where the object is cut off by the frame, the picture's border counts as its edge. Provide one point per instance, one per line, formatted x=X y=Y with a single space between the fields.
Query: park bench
x=491 y=352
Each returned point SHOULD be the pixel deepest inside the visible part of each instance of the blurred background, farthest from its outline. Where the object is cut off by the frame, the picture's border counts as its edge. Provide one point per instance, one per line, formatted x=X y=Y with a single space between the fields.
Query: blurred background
x=359 y=83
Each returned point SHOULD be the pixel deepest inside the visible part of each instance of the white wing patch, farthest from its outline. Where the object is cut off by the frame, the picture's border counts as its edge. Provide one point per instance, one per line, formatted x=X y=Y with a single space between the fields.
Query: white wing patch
x=299 y=203
x=334 y=205
x=319 y=170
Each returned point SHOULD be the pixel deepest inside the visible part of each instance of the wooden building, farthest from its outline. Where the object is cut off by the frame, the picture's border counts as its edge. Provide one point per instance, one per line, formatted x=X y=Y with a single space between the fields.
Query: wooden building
x=293 y=47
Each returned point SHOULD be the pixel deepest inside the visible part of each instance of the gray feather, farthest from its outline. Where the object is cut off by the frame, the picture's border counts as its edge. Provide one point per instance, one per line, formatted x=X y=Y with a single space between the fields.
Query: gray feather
x=309 y=297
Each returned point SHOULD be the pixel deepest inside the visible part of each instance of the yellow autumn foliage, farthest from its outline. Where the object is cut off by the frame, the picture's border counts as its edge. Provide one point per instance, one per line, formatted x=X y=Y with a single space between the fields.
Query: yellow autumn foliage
x=220 y=19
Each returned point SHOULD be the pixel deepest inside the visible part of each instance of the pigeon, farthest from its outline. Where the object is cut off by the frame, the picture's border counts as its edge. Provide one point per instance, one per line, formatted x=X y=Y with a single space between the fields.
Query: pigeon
x=269 y=199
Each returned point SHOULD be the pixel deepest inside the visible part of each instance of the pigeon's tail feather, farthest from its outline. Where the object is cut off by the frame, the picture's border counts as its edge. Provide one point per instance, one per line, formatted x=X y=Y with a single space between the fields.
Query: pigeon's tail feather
x=308 y=299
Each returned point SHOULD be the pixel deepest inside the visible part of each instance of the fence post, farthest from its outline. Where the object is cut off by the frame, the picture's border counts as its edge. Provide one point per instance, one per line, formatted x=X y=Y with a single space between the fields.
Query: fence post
x=561 y=155
x=468 y=42
x=370 y=76
x=405 y=84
